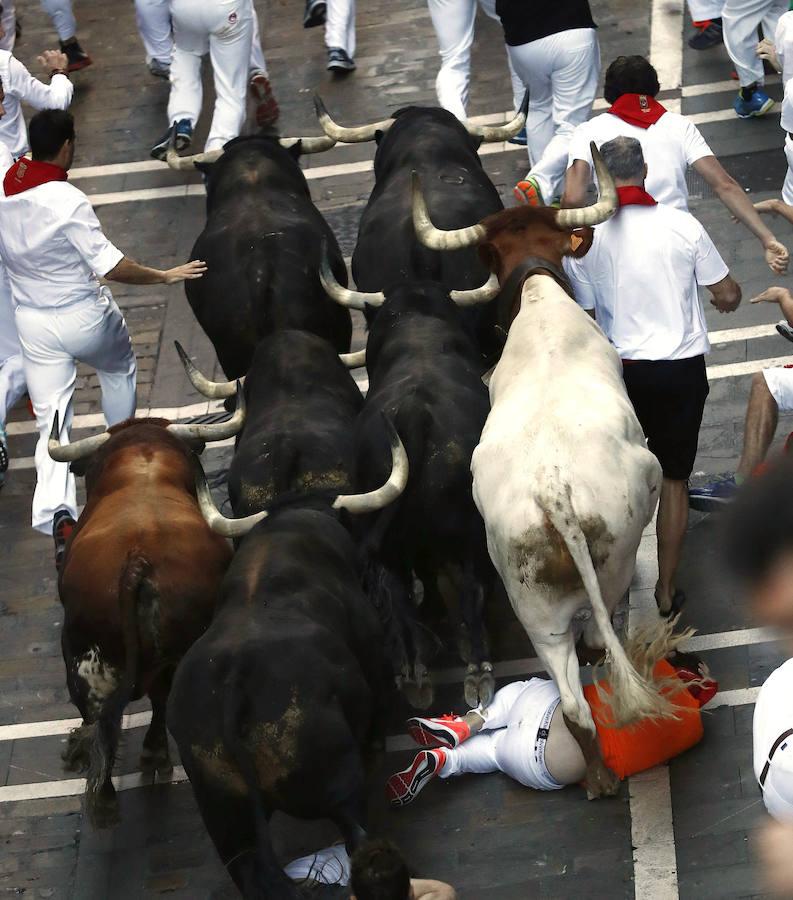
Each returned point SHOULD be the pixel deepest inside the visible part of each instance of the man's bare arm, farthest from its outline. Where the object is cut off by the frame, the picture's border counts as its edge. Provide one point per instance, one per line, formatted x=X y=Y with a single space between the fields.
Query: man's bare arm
x=576 y=183
x=128 y=271
x=428 y=889
x=726 y=294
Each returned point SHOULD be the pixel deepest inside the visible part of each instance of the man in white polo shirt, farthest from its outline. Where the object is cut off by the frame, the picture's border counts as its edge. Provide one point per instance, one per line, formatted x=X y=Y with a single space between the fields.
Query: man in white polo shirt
x=52 y=246
x=640 y=278
x=670 y=143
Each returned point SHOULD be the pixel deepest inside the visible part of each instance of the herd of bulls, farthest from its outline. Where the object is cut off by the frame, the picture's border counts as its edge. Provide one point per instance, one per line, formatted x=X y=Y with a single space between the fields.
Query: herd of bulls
x=357 y=519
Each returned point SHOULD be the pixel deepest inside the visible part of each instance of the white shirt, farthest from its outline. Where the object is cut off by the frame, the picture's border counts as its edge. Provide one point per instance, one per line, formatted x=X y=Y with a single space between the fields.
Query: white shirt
x=9 y=341
x=19 y=84
x=52 y=245
x=773 y=715
x=670 y=146
x=641 y=275
x=328 y=866
x=783 y=44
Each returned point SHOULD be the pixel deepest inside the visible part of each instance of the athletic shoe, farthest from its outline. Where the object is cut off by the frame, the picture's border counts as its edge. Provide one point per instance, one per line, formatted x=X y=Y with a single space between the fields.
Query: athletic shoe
x=3 y=453
x=528 y=192
x=757 y=105
x=709 y=35
x=448 y=731
x=403 y=787
x=158 y=67
x=62 y=526
x=339 y=61
x=785 y=330
x=315 y=13
x=78 y=58
x=519 y=138
x=184 y=137
x=262 y=94
x=712 y=496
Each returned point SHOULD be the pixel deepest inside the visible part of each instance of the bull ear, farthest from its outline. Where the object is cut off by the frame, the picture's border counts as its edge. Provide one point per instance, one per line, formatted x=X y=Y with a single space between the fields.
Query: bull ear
x=378 y=136
x=578 y=242
x=295 y=150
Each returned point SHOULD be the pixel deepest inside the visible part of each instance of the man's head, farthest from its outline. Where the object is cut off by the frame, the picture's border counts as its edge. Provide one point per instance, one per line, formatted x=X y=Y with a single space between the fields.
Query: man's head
x=630 y=75
x=378 y=872
x=624 y=159
x=51 y=134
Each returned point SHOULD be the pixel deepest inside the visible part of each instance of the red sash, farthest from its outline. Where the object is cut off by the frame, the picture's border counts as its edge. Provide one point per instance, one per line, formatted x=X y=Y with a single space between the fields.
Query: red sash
x=30 y=173
x=637 y=109
x=633 y=195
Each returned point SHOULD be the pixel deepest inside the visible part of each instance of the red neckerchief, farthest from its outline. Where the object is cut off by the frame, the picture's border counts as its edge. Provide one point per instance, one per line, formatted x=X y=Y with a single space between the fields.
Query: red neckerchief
x=29 y=173
x=637 y=109
x=632 y=195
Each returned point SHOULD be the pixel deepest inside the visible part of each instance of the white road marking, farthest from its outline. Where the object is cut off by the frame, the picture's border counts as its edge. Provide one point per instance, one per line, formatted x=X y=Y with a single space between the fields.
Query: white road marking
x=730 y=370
x=737 y=697
x=747 y=333
x=71 y=787
x=723 y=115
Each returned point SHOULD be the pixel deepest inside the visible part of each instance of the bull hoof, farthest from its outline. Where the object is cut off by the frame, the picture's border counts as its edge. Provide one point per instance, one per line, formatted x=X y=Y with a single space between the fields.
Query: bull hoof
x=103 y=811
x=479 y=685
x=77 y=754
x=419 y=696
x=156 y=759
x=601 y=782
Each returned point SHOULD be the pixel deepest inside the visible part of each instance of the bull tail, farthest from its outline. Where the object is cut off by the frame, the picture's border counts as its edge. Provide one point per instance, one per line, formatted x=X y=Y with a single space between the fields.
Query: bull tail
x=100 y=801
x=633 y=695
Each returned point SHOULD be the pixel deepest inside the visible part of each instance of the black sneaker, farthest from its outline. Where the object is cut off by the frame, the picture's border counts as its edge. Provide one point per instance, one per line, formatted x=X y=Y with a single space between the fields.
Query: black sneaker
x=184 y=137
x=339 y=61
x=62 y=527
x=784 y=329
x=315 y=13
x=78 y=58
x=709 y=36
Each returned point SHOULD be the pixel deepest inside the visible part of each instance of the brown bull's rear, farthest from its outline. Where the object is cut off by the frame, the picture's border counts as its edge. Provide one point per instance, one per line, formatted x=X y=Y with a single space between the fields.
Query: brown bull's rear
x=138 y=586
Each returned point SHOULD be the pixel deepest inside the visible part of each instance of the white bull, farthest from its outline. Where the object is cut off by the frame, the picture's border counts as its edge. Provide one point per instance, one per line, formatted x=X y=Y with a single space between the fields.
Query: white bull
x=565 y=483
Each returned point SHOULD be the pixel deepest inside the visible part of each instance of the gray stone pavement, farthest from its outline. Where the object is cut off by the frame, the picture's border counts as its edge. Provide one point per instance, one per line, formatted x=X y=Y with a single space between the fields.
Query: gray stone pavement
x=488 y=836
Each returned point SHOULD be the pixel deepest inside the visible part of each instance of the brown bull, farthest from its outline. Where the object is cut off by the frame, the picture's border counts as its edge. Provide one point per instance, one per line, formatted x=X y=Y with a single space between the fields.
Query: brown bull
x=138 y=587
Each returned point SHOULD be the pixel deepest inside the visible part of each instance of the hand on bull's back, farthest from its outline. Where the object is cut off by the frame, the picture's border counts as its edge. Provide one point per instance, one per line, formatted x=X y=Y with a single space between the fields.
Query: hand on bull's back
x=194 y=269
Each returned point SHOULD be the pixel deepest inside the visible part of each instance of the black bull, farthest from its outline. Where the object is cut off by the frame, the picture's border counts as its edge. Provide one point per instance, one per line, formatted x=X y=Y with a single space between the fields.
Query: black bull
x=261 y=244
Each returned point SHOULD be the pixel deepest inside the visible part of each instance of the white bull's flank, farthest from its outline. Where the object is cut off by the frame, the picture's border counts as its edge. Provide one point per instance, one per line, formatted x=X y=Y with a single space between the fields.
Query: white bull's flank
x=565 y=483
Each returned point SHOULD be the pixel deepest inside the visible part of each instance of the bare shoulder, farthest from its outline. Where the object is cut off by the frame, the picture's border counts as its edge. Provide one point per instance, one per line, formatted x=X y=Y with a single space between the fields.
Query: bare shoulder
x=429 y=889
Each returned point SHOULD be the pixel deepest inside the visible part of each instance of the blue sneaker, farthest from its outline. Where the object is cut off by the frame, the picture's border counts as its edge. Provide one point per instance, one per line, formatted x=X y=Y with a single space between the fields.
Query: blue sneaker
x=708 y=497
x=520 y=138
x=184 y=137
x=758 y=105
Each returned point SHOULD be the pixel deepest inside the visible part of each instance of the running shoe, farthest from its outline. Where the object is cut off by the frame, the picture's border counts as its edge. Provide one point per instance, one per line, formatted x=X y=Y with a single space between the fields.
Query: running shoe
x=709 y=34
x=78 y=58
x=158 y=67
x=315 y=14
x=519 y=138
x=62 y=527
x=184 y=137
x=403 y=787
x=339 y=60
x=528 y=192
x=757 y=105
x=784 y=329
x=712 y=496
x=448 y=731
x=262 y=94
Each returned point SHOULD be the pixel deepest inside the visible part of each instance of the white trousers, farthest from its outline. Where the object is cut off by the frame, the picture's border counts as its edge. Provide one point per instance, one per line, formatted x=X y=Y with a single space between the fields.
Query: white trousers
x=60 y=11
x=340 y=25
x=453 y=21
x=154 y=25
x=740 y=19
x=225 y=28
x=702 y=10
x=12 y=384
x=91 y=331
x=8 y=24
x=561 y=72
x=508 y=740
x=12 y=378
x=787 y=186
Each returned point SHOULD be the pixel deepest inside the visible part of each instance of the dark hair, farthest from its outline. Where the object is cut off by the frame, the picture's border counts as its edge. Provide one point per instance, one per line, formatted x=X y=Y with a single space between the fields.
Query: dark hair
x=48 y=131
x=630 y=75
x=758 y=528
x=379 y=872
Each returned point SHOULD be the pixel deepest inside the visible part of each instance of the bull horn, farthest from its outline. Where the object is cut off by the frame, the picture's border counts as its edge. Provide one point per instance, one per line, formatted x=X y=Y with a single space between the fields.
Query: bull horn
x=355 y=135
x=309 y=144
x=232 y=528
x=607 y=202
x=354 y=360
x=492 y=133
x=344 y=296
x=215 y=432
x=77 y=449
x=387 y=493
x=215 y=390
x=482 y=294
x=188 y=162
x=433 y=237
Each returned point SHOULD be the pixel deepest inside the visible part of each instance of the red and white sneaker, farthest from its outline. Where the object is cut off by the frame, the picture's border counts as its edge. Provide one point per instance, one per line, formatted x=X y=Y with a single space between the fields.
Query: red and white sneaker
x=528 y=192
x=403 y=787
x=448 y=731
x=266 y=105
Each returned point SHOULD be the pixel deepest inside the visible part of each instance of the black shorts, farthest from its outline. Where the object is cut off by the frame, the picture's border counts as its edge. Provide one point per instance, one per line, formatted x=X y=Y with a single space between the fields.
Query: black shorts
x=669 y=397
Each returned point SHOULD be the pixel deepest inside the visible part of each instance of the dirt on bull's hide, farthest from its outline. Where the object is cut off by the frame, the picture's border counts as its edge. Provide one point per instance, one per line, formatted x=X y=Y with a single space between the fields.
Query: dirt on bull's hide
x=216 y=765
x=261 y=496
x=273 y=745
x=542 y=553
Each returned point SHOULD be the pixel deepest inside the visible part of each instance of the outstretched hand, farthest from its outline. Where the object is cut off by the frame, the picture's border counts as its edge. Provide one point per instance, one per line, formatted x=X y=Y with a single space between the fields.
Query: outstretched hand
x=194 y=269
x=776 y=256
x=768 y=207
x=772 y=295
x=53 y=61
x=765 y=49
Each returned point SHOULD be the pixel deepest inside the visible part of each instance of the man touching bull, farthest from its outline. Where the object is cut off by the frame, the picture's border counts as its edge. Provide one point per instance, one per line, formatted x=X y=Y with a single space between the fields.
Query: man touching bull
x=54 y=251
x=640 y=279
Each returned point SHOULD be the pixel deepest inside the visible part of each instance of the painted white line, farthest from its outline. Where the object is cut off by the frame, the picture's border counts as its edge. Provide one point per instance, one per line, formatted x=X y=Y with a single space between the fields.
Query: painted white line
x=741 y=637
x=722 y=115
x=717 y=87
x=730 y=370
x=738 y=697
x=666 y=43
x=71 y=787
x=161 y=193
x=63 y=726
x=653 y=835
x=741 y=334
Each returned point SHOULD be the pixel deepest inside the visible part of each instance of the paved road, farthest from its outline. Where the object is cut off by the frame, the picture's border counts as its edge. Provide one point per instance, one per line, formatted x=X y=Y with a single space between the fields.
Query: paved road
x=680 y=830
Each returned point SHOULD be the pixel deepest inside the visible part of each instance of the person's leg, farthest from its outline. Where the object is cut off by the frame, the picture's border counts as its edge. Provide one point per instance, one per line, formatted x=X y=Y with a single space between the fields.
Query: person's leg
x=453 y=21
x=771 y=16
x=257 y=62
x=60 y=11
x=340 y=25
x=574 y=81
x=518 y=88
x=229 y=52
x=12 y=384
x=534 y=64
x=8 y=23
x=787 y=186
x=740 y=19
x=190 y=42
x=154 y=25
x=762 y=415
x=477 y=756
x=670 y=529
x=702 y=10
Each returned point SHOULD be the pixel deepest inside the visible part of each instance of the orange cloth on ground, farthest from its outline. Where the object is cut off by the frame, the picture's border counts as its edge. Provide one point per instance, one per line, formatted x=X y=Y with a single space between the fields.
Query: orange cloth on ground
x=649 y=742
